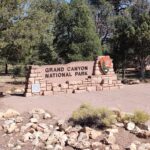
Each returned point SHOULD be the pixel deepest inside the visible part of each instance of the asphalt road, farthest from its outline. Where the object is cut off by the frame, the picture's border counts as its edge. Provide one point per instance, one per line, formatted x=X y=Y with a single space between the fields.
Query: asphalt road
x=128 y=99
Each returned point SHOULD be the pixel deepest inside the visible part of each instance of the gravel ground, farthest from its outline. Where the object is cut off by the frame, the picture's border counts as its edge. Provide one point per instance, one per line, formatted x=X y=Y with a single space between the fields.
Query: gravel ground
x=128 y=99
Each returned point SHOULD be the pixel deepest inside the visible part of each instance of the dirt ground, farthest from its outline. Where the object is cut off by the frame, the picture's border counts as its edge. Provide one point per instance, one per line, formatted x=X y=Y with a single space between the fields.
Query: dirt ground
x=130 y=98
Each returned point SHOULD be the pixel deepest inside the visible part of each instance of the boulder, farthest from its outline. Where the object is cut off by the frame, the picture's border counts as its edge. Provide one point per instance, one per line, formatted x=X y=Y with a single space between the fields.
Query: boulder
x=111 y=131
x=96 y=145
x=114 y=147
x=10 y=128
x=132 y=147
x=58 y=147
x=27 y=137
x=36 y=116
x=44 y=137
x=34 y=120
x=91 y=133
x=143 y=134
x=46 y=116
x=82 y=136
x=130 y=126
x=144 y=146
x=110 y=139
x=19 y=119
x=10 y=113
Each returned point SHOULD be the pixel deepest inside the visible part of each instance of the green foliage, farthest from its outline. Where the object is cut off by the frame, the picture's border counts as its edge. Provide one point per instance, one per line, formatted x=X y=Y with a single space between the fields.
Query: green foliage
x=87 y=115
x=75 y=32
x=138 y=117
x=18 y=71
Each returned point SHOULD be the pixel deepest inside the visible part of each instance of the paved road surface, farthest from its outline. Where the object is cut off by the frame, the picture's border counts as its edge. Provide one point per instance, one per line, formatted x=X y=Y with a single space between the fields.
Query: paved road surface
x=127 y=99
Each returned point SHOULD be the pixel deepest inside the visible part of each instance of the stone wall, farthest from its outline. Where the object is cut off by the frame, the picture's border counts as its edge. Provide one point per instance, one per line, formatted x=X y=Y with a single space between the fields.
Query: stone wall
x=37 y=84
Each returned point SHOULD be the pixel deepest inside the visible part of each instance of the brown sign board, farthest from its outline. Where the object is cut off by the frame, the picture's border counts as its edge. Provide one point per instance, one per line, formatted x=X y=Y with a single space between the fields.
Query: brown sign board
x=67 y=72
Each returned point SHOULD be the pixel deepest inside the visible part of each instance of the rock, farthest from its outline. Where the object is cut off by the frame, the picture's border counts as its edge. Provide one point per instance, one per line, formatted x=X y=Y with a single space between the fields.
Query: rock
x=56 y=137
x=11 y=113
x=46 y=116
x=60 y=122
x=131 y=147
x=91 y=133
x=43 y=125
x=58 y=147
x=17 y=147
x=37 y=134
x=130 y=126
x=143 y=134
x=110 y=140
x=107 y=148
x=82 y=136
x=73 y=135
x=118 y=124
x=37 y=111
x=36 y=116
x=10 y=145
x=109 y=131
x=44 y=137
x=96 y=145
x=33 y=120
x=8 y=122
x=17 y=130
x=114 y=147
x=35 y=142
x=144 y=146
x=10 y=128
x=27 y=137
x=19 y=119
x=49 y=147
x=136 y=130
x=70 y=129
x=144 y=127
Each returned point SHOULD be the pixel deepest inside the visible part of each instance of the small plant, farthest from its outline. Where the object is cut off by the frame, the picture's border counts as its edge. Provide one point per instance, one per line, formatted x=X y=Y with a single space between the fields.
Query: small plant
x=138 y=117
x=90 y=116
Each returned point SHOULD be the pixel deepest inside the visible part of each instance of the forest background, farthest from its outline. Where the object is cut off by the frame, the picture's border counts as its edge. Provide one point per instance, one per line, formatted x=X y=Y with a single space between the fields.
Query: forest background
x=58 y=31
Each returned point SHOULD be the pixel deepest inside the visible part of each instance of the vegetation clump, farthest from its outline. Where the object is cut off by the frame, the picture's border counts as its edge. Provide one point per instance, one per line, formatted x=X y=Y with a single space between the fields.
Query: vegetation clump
x=138 y=117
x=87 y=115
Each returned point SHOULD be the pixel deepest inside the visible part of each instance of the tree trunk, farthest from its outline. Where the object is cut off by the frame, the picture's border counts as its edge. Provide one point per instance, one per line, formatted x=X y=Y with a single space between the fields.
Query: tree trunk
x=142 y=74
x=142 y=70
x=6 y=68
x=124 y=68
x=123 y=72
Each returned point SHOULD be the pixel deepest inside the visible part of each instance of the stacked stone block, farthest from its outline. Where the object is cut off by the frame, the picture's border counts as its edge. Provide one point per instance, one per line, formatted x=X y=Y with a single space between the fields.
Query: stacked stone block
x=95 y=82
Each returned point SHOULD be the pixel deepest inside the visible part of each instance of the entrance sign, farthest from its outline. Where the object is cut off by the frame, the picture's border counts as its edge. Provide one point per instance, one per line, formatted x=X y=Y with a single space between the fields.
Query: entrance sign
x=75 y=77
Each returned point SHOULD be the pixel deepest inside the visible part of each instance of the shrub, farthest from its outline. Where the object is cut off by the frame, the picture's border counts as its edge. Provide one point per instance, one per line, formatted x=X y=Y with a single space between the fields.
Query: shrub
x=87 y=115
x=138 y=117
x=18 y=71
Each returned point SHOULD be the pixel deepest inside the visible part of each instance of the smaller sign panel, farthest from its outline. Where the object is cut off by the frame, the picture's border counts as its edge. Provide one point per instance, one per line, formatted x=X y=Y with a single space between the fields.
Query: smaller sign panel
x=36 y=88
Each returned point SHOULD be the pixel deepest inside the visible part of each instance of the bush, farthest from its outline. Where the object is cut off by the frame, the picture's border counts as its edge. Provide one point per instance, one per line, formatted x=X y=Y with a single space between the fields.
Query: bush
x=18 y=71
x=87 y=115
x=138 y=117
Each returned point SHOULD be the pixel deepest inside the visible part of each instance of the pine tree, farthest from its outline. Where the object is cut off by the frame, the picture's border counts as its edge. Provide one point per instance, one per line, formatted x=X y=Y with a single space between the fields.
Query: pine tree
x=76 y=37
